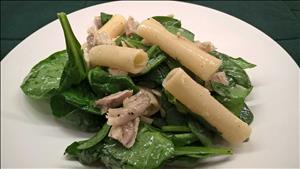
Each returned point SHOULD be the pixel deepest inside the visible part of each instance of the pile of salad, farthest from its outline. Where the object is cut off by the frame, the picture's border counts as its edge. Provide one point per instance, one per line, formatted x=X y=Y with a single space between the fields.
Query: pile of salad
x=138 y=123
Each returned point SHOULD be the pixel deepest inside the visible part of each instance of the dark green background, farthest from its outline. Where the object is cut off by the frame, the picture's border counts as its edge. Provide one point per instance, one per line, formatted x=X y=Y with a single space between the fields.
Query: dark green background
x=278 y=19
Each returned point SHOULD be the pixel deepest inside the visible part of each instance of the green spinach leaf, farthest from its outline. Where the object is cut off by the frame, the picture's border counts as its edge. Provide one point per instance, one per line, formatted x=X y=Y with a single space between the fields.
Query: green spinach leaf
x=182 y=139
x=156 y=57
x=233 y=70
x=175 y=128
x=133 y=41
x=242 y=63
x=150 y=150
x=76 y=68
x=95 y=139
x=81 y=96
x=105 y=17
x=233 y=92
x=191 y=150
x=173 y=116
x=246 y=114
x=238 y=107
x=74 y=116
x=44 y=79
x=200 y=132
x=104 y=84
x=168 y=21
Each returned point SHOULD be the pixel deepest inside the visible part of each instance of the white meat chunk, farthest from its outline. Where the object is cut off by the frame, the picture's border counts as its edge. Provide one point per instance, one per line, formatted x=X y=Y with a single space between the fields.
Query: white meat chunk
x=220 y=77
x=95 y=38
x=113 y=100
x=206 y=46
x=126 y=133
x=134 y=106
x=131 y=26
x=117 y=72
x=97 y=22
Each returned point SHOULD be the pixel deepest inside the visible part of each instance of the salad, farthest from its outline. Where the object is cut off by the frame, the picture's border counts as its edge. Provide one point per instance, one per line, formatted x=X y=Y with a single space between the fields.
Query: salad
x=152 y=94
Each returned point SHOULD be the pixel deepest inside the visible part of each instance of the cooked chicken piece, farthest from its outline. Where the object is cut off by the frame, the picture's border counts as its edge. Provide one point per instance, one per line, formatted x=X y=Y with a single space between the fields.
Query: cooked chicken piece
x=220 y=77
x=131 y=26
x=97 y=22
x=134 y=106
x=113 y=100
x=154 y=105
x=156 y=93
x=95 y=38
x=117 y=72
x=206 y=46
x=147 y=98
x=126 y=133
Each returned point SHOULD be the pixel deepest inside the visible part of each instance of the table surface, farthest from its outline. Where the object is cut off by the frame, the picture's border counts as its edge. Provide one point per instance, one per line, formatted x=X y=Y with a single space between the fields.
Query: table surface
x=278 y=19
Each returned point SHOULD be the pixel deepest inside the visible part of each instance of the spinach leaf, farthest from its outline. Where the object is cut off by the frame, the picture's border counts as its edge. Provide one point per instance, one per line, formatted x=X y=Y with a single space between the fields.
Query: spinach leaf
x=76 y=68
x=150 y=150
x=133 y=41
x=246 y=115
x=95 y=139
x=86 y=156
x=104 y=84
x=179 y=106
x=81 y=96
x=167 y=21
x=233 y=70
x=60 y=70
x=183 y=161
x=105 y=17
x=233 y=92
x=242 y=63
x=43 y=81
x=72 y=150
x=200 y=132
x=156 y=57
x=238 y=107
x=182 y=139
x=159 y=122
x=175 y=128
x=212 y=151
x=235 y=105
x=74 y=116
x=173 y=116
x=155 y=77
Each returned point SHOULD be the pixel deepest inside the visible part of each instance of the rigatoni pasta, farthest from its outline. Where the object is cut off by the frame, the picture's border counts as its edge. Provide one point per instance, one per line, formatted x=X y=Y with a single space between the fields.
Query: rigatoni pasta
x=114 y=27
x=198 y=61
x=123 y=58
x=198 y=100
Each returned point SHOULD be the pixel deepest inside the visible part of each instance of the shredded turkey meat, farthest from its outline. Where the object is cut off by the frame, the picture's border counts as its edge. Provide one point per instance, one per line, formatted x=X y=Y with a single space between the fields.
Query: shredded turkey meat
x=124 y=120
x=206 y=46
x=126 y=133
x=95 y=38
x=220 y=77
x=117 y=72
x=97 y=22
x=113 y=100
x=131 y=26
x=133 y=107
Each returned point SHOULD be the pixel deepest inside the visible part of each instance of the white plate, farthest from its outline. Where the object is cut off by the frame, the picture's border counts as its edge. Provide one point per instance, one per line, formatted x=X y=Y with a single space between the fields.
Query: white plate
x=30 y=136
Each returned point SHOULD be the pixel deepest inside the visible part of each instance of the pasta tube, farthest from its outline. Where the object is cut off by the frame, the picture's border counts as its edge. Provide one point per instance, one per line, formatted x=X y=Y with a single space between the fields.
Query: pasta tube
x=114 y=27
x=198 y=100
x=122 y=58
x=195 y=59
